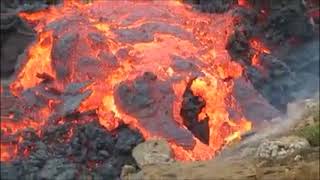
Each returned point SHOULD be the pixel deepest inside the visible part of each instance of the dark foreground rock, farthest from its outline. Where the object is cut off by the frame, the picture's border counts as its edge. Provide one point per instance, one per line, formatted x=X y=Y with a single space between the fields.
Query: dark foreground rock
x=91 y=152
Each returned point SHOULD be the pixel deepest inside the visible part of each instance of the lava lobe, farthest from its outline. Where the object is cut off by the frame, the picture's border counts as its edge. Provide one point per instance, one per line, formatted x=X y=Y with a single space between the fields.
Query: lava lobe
x=140 y=58
x=150 y=100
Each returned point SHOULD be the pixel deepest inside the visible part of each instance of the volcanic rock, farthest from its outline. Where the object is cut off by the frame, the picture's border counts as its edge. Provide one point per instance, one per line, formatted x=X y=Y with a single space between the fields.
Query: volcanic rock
x=70 y=104
x=62 y=48
x=12 y=45
x=12 y=106
x=217 y=6
x=89 y=66
x=61 y=53
x=8 y=171
x=150 y=101
x=15 y=35
x=108 y=58
x=283 y=19
x=294 y=75
x=66 y=154
x=255 y=107
x=107 y=171
x=76 y=87
x=32 y=99
x=126 y=140
x=123 y=53
x=191 y=107
x=238 y=43
x=58 y=169
x=281 y=148
x=145 y=33
x=186 y=66
x=152 y=152
x=46 y=78
x=58 y=25
x=97 y=39
x=272 y=22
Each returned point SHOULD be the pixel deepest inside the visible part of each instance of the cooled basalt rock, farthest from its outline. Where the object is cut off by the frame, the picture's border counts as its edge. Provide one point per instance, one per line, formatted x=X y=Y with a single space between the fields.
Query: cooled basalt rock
x=126 y=140
x=58 y=169
x=150 y=101
x=254 y=106
x=61 y=54
x=283 y=19
x=217 y=6
x=191 y=107
x=90 y=149
x=272 y=22
x=145 y=33
x=109 y=58
x=294 y=75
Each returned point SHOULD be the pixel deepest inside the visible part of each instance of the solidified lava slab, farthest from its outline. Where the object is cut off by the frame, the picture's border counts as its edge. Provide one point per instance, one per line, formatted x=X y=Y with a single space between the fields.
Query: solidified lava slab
x=151 y=101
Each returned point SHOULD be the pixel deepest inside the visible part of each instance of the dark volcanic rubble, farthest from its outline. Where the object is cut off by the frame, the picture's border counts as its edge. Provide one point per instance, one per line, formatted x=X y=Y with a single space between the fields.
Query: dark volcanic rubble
x=290 y=32
x=91 y=152
x=70 y=144
x=286 y=26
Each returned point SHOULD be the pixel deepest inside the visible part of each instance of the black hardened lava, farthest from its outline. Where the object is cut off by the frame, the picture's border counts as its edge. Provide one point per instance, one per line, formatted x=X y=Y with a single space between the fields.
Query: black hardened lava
x=191 y=107
x=291 y=33
x=91 y=152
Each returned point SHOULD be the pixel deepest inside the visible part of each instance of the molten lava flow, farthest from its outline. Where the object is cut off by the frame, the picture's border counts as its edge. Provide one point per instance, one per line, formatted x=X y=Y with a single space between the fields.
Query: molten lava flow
x=244 y=3
x=259 y=48
x=147 y=53
x=39 y=59
x=8 y=127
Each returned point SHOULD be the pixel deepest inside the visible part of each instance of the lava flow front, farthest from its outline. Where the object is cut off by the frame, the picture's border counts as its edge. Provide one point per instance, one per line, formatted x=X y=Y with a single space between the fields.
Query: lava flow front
x=134 y=63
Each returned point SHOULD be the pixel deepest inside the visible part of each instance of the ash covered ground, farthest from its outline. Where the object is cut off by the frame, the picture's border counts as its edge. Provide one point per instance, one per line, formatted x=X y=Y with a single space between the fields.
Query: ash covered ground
x=93 y=152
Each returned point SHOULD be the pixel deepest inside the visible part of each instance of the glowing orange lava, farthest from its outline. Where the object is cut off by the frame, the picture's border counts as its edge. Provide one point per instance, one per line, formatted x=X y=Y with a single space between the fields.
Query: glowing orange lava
x=10 y=127
x=116 y=41
x=259 y=48
x=244 y=3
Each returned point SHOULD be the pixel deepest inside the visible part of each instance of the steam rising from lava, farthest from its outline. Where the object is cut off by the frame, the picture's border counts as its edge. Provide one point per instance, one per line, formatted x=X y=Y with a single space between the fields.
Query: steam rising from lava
x=139 y=57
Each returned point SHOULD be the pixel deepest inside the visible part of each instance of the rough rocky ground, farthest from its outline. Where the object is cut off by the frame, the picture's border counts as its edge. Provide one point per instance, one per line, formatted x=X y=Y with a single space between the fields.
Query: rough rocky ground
x=286 y=155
